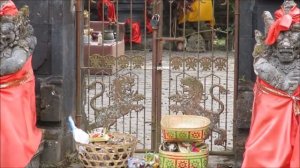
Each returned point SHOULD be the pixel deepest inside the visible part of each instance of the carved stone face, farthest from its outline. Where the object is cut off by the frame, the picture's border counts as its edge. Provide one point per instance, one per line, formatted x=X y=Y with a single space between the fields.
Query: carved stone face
x=288 y=46
x=288 y=5
x=7 y=34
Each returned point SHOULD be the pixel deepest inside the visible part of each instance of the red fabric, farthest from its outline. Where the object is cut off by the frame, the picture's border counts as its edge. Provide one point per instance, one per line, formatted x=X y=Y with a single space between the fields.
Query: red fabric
x=283 y=23
x=274 y=139
x=19 y=136
x=111 y=16
x=9 y=9
x=148 y=17
x=136 y=32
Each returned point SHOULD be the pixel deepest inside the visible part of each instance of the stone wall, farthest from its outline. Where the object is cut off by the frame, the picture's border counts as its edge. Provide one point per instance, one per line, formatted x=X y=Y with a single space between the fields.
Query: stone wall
x=54 y=66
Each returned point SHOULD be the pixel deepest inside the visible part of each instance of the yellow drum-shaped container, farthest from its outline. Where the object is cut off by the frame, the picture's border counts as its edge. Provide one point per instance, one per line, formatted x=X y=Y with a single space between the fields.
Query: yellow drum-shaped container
x=185 y=128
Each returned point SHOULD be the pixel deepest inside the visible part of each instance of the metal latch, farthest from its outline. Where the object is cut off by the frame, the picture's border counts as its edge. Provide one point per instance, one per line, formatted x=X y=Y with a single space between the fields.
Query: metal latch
x=161 y=68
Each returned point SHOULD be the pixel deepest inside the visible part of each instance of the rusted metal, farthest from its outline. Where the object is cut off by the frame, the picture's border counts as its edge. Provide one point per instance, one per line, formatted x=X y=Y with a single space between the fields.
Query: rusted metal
x=206 y=65
x=171 y=39
x=158 y=86
x=124 y=100
x=79 y=14
x=188 y=101
x=155 y=73
x=236 y=44
x=236 y=60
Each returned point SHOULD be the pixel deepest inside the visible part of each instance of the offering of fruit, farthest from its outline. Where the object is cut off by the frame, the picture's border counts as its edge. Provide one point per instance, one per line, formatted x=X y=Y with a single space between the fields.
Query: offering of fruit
x=99 y=135
x=151 y=159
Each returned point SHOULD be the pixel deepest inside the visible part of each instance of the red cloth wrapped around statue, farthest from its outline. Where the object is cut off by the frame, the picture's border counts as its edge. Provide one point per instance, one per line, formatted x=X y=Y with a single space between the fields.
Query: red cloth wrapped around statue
x=109 y=11
x=136 y=36
x=274 y=140
x=9 y=9
x=19 y=136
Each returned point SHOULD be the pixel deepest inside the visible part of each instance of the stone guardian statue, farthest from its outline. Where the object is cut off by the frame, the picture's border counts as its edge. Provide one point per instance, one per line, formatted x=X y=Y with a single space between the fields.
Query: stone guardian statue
x=274 y=139
x=19 y=136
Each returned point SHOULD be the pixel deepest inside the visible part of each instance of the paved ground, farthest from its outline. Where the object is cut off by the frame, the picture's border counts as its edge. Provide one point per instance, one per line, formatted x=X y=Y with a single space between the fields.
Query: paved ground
x=139 y=124
x=213 y=162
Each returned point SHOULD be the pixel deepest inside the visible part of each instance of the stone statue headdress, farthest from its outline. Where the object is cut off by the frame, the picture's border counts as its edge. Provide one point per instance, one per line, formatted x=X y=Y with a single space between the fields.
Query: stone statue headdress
x=17 y=41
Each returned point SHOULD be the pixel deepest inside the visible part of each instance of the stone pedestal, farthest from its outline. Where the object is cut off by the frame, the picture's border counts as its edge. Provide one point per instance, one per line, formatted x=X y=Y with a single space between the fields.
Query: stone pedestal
x=243 y=119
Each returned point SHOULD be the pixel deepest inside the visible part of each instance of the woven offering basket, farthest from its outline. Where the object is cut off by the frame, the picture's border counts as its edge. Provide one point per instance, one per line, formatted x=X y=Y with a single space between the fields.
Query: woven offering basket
x=185 y=128
x=108 y=155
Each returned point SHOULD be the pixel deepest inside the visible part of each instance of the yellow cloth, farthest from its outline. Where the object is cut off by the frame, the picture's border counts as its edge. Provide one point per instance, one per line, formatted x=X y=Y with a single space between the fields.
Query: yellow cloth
x=202 y=10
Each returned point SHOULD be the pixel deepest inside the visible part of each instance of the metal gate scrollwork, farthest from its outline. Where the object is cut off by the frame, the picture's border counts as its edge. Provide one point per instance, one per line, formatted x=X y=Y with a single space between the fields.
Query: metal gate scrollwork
x=180 y=66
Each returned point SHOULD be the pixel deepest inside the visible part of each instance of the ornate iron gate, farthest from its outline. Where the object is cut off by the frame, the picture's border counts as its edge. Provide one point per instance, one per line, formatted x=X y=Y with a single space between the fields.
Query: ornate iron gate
x=183 y=65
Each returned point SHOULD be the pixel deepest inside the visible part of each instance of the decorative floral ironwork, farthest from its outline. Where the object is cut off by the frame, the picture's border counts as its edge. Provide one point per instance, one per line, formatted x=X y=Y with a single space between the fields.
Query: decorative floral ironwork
x=220 y=63
x=108 y=61
x=137 y=61
x=101 y=61
x=188 y=101
x=191 y=63
x=205 y=63
x=123 y=61
x=176 y=63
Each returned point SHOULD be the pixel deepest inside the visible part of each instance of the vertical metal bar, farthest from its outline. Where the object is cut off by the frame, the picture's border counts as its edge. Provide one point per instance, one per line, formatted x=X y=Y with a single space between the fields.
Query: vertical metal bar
x=227 y=67
x=159 y=76
x=156 y=82
x=87 y=97
x=78 y=9
x=131 y=55
x=212 y=69
x=145 y=72
x=102 y=26
x=118 y=34
x=170 y=52
x=154 y=109
x=184 y=35
x=131 y=18
x=236 y=60
x=116 y=59
x=158 y=92
x=198 y=46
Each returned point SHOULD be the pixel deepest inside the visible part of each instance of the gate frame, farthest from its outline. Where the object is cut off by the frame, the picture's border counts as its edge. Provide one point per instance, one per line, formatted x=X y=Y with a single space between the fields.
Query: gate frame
x=156 y=72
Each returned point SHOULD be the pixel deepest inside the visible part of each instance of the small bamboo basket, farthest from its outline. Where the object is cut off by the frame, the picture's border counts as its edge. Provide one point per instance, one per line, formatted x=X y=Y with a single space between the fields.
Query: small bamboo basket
x=108 y=155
